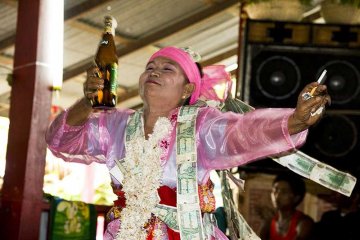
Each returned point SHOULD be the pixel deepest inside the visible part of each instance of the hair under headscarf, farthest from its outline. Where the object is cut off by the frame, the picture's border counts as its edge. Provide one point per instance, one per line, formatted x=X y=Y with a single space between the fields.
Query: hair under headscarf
x=213 y=75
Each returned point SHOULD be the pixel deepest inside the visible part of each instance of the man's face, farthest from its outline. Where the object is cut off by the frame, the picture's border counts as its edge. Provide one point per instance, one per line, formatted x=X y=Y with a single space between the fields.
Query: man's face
x=282 y=196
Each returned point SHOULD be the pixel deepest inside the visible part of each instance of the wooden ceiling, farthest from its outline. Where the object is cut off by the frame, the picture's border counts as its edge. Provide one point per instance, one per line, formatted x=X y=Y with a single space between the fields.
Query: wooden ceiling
x=210 y=27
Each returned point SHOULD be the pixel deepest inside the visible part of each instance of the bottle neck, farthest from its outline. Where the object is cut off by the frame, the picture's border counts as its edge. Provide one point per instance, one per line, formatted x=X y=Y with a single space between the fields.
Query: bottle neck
x=109 y=29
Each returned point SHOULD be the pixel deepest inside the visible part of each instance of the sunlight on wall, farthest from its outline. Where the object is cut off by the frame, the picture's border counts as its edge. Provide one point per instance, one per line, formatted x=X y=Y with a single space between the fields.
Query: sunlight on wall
x=70 y=181
x=77 y=182
x=4 y=127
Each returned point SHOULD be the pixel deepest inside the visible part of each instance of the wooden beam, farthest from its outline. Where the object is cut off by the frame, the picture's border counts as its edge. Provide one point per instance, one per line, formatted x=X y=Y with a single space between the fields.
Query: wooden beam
x=220 y=57
x=5 y=98
x=81 y=66
x=98 y=31
x=6 y=60
x=70 y=14
x=83 y=8
x=8 y=41
x=13 y=3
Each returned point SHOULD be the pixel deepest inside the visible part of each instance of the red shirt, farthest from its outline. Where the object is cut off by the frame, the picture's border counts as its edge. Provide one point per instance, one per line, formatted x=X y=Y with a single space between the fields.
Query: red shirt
x=291 y=233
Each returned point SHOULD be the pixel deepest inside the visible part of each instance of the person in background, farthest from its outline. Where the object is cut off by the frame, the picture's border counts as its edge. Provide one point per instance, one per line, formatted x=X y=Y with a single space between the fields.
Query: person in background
x=144 y=145
x=288 y=223
x=343 y=222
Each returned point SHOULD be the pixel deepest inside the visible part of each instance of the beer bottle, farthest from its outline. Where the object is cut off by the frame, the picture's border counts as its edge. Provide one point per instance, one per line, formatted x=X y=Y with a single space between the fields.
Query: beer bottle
x=107 y=61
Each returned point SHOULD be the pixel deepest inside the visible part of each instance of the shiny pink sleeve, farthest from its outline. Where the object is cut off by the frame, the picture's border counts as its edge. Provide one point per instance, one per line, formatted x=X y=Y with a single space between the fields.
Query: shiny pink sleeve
x=228 y=140
x=100 y=139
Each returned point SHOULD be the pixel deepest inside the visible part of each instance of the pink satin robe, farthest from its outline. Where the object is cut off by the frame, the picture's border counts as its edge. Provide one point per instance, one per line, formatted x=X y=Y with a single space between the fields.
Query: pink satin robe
x=224 y=140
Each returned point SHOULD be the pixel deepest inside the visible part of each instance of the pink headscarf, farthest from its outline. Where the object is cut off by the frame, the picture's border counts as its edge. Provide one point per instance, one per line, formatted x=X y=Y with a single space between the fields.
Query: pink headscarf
x=203 y=86
x=215 y=76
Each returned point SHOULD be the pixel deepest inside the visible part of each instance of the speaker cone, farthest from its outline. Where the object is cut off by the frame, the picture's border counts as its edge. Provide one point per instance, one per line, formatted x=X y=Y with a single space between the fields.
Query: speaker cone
x=335 y=136
x=278 y=77
x=343 y=81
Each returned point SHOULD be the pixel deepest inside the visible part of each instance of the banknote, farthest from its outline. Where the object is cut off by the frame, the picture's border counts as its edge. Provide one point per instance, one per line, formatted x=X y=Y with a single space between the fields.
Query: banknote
x=305 y=165
x=187 y=113
x=188 y=203
x=168 y=215
x=185 y=140
x=190 y=224
x=121 y=165
x=190 y=157
x=239 y=229
x=133 y=126
x=318 y=172
x=186 y=182
x=189 y=217
x=186 y=169
x=182 y=199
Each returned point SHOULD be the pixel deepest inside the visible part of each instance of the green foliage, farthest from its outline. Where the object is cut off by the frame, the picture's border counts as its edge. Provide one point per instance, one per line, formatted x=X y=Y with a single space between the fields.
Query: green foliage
x=9 y=79
x=104 y=195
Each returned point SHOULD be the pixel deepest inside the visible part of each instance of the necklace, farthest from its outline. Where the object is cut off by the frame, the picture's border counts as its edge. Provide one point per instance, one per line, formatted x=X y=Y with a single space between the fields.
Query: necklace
x=283 y=226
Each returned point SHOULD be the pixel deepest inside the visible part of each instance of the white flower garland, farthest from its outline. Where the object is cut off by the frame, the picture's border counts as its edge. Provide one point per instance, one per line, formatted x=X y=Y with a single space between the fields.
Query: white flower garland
x=141 y=181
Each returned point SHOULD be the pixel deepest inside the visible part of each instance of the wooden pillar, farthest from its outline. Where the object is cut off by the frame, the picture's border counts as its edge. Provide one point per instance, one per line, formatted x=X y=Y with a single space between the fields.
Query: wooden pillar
x=22 y=196
x=241 y=55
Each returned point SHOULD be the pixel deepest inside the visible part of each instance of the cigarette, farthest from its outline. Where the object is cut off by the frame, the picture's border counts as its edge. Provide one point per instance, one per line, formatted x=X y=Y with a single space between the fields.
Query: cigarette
x=322 y=76
x=319 y=81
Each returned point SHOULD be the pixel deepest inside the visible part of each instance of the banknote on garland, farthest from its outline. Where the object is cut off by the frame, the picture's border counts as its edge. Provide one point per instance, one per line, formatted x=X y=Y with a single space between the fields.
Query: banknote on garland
x=301 y=163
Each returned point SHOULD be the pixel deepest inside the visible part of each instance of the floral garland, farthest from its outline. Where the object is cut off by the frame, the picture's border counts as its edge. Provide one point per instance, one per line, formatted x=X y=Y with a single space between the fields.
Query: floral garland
x=141 y=181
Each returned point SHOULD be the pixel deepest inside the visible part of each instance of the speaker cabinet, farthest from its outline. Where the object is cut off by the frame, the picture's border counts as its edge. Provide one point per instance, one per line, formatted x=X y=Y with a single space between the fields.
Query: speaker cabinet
x=335 y=140
x=280 y=58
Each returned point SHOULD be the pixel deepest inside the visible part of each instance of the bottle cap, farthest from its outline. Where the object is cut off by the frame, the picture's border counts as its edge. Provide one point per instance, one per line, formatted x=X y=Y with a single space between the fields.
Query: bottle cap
x=110 y=22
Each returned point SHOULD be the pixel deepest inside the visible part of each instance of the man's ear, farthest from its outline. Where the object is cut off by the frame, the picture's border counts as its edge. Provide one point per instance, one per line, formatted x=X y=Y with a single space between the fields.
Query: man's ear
x=188 y=89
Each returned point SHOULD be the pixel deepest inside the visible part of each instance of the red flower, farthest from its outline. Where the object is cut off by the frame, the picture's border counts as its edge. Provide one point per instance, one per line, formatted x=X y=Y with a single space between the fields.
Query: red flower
x=164 y=144
x=173 y=117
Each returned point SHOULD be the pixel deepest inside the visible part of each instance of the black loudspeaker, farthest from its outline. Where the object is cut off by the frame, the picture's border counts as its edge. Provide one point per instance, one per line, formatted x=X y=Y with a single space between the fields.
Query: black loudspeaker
x=335 y=140
x=280 y=58
x=277 y=76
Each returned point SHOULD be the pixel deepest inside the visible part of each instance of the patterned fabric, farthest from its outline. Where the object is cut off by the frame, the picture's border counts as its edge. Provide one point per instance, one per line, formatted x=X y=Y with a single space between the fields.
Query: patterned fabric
x=119 y=204
x=207 y=198
x=72 y=220
x=224 y=140
x=167 y=197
